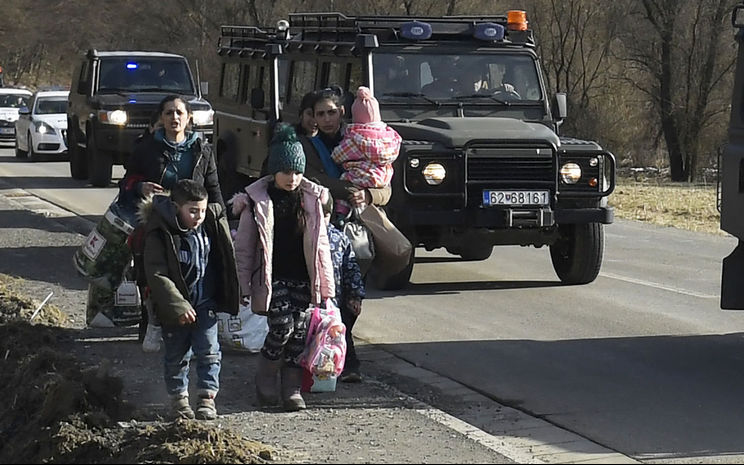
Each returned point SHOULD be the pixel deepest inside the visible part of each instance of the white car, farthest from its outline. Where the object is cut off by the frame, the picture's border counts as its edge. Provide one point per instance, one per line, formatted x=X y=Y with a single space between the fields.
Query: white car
x=11 y=100
x=41 y=128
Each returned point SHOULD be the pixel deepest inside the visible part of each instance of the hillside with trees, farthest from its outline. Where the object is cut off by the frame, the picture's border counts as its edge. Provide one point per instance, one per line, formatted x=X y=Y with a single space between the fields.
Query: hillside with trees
x=649 y=79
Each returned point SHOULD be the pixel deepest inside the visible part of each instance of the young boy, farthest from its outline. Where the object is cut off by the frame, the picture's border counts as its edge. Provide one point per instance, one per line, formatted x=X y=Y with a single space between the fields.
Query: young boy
x=349 y=290
x=189 y=263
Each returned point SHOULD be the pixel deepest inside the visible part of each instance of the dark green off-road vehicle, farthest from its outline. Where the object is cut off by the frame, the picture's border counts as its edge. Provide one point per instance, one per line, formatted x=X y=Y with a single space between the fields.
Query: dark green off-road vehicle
x=482 y=162
x=112 y=96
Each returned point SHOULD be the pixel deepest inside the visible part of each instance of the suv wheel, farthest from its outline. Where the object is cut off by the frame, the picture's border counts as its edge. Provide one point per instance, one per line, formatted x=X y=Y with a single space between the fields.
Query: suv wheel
x=78 y=162
x=31 y=153
x=100 y=163
x=577 y=254
x=18 y=152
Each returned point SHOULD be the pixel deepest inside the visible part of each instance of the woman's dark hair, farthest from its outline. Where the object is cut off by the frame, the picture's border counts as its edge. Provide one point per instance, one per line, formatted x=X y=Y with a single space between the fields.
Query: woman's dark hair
x=308 y=101
x=332 y=93
x=328 y=205
x=171 y=98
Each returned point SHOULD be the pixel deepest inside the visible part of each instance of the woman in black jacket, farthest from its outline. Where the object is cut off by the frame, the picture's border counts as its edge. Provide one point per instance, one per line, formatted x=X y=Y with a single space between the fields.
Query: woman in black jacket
x=173 y=152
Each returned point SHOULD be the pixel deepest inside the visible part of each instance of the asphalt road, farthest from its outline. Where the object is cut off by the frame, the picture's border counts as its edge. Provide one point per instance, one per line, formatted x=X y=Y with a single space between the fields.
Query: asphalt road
x=642 y=361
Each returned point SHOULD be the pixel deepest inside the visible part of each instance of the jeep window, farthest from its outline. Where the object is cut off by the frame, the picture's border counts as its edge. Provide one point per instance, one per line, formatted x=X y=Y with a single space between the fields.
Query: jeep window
x=283 y=72
x=82 y=87
x=50 y=106
x=249 y=80
x=143 y=74
x=263 y=82
x=337 y=75
x=448 y=76
x=230 y=81
x=13 y=100
x=302 y=78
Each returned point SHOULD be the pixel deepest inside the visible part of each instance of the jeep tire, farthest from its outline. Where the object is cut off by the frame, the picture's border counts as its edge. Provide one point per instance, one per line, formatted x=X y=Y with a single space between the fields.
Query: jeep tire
x=100 y=163
x=577 y=254
x=78 y=161
x=18 y=152
x=32 y=155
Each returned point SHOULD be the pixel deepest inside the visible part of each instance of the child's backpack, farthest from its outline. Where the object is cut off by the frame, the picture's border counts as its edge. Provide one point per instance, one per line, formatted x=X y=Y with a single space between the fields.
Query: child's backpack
x=325 y=347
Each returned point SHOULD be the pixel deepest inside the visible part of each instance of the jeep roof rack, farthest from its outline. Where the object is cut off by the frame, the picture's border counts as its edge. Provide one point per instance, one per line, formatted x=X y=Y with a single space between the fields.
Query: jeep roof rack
x=245 y=40
x=320 y=28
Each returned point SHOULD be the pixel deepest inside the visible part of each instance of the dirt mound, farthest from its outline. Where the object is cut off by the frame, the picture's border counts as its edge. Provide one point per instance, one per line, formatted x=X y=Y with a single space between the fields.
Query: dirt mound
x=56 y=410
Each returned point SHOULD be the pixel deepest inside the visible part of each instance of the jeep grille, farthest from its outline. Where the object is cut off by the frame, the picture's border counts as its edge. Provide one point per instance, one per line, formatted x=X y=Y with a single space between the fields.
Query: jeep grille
x=508 y=168
x=138 y=119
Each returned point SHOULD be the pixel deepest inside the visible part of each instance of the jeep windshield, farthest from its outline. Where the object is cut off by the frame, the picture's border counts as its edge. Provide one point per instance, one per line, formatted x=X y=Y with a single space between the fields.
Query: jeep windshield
x=144 y=74
x=495 y=79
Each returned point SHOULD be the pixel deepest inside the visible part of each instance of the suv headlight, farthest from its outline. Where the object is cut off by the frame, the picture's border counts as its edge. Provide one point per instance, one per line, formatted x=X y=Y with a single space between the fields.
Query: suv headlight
x=570 y=173
x=118 y=117
x=434 y=173
x=203 y=117
x=43 y=128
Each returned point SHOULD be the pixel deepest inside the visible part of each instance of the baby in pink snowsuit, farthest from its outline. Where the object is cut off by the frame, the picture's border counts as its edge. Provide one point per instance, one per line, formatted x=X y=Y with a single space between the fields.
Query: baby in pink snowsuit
x=369 y=146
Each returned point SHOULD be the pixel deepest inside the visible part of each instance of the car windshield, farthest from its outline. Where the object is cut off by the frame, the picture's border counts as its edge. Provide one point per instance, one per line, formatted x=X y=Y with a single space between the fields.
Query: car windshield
x=497 y=78
x=13 y=100
x=144 y=75
x=50 y=106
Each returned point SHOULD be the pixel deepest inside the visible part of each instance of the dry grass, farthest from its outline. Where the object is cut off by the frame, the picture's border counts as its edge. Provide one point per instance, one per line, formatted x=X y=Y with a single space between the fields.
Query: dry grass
x=680 y=205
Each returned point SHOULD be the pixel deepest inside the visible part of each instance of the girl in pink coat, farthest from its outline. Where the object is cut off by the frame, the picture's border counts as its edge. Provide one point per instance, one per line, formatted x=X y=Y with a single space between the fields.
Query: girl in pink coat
x=284 y=263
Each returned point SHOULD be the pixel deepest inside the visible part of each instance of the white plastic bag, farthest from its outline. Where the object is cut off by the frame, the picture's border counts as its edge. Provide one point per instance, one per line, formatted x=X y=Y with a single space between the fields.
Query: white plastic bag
x=244 y=331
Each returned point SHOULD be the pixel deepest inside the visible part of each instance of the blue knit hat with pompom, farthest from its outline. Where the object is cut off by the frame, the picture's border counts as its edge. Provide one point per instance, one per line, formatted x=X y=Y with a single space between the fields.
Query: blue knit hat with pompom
x=285 y=152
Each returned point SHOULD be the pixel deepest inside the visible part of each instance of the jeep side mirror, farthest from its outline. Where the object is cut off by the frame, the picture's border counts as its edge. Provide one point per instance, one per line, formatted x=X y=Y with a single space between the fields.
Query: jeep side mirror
x=257 y=98
x=560 y=107
x=204 y=87
x=24 y=111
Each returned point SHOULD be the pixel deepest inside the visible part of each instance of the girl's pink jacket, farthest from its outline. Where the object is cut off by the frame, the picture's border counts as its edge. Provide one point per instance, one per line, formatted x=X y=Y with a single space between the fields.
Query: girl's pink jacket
x=254 y=242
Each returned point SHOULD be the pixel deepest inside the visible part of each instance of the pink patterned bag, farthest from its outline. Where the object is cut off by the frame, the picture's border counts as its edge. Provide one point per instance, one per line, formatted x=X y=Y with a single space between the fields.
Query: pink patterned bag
x=325 y=347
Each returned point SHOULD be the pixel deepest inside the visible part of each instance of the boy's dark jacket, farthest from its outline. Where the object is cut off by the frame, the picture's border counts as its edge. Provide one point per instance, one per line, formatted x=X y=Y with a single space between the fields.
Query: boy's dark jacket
x=169 y=291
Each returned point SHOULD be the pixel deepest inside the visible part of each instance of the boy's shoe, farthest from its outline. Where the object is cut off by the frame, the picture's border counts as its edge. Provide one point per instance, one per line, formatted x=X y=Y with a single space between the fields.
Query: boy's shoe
x=180 y=407
x=350 y=376
x=153 y=338
x=205 y=409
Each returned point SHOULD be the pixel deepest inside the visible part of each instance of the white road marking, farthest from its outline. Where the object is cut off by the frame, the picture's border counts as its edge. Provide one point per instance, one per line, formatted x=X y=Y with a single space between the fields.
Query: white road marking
x=643 y=282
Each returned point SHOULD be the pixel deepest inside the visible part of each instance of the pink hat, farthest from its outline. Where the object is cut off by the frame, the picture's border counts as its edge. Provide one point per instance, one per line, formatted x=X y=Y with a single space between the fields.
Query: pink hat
x=365 y=108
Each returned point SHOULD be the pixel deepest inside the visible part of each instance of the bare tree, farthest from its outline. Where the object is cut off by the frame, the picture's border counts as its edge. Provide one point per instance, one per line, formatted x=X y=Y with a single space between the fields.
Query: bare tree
x=673 y=52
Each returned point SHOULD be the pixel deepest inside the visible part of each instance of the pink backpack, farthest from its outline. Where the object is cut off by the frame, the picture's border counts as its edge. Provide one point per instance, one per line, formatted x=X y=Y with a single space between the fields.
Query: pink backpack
x=325 y=347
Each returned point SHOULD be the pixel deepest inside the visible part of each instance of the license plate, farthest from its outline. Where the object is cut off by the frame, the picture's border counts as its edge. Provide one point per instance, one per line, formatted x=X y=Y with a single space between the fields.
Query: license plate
x=493 y=198
x=7 y=130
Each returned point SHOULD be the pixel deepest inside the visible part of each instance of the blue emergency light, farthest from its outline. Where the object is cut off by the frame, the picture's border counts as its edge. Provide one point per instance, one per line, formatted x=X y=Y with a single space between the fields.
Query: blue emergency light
x=132 y=66
x=415 y=30
x=489 y=31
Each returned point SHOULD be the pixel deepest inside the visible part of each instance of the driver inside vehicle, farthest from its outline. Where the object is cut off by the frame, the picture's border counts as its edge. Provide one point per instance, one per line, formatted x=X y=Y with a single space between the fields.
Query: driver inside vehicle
x=444 y=73
x=474 y=80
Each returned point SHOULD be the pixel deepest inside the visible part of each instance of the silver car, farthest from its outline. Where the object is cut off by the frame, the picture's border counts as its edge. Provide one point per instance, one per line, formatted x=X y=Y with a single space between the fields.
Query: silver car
x=11 y=100
x=41 y=129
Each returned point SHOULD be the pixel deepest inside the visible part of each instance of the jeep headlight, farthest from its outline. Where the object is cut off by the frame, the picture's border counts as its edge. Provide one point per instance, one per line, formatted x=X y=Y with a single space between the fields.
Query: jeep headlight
x=118 y=117
x=43 y=128
x=434 y=173
x=203 y=117
x=570 y=173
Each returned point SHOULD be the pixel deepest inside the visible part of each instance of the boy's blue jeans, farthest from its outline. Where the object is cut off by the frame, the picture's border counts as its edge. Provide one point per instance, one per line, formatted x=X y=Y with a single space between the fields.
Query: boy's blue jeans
x=200 y=339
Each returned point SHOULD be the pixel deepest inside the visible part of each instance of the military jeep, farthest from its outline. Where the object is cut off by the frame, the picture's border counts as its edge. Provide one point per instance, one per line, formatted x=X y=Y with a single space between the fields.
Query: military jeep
x=482 y=162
